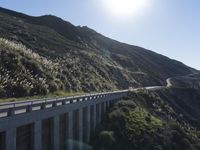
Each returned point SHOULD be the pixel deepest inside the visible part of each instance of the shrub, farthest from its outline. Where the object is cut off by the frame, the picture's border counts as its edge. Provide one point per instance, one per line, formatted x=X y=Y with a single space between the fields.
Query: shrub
x=2 y=93
x=52 y=86
x=127 y=103
x=19 y=90
x=106 y=139
x=39 y=89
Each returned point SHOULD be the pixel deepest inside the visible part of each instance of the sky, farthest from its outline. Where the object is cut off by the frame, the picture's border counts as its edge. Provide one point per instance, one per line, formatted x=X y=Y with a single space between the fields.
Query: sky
x=168 y=27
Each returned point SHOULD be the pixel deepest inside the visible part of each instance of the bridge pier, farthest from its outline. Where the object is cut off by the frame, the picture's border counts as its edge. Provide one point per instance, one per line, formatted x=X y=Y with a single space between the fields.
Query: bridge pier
x=69 y=123
x=61 y=124
x=48 y=134
x=99 y=113
x=56 y=134
x=38 y=135
x=80 y=128
x=88 y=124
x=2 y=141
x=102 y=110
x=104 y=106
x=11 y=139
x=108 y=104
x=94 y=117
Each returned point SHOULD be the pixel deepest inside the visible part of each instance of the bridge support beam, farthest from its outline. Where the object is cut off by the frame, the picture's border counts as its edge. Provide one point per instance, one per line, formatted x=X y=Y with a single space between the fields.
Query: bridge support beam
x=80 y=128
x=94 y=119
x=104 y=107
x=11 y=139
x=88 y=124
x=107 y=105
x=99 y=109
x=56 y=134
x=69 y=123
x=38 y=135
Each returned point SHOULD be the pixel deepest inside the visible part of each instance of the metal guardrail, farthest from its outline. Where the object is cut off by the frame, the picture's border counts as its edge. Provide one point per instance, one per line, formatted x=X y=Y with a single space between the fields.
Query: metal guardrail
x=25 y=106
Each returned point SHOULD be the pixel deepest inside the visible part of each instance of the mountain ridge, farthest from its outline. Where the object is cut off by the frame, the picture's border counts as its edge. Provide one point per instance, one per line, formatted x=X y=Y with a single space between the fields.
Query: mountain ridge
x=88 y=60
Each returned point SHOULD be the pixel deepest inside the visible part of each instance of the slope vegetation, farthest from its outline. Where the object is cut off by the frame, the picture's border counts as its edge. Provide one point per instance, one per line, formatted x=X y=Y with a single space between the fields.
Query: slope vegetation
x=158 y=120
x=84 y=60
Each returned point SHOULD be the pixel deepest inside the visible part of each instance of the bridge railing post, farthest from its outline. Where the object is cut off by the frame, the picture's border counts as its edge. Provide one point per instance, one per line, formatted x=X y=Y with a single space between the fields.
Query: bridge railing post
x=29 y=108
x=11 y=112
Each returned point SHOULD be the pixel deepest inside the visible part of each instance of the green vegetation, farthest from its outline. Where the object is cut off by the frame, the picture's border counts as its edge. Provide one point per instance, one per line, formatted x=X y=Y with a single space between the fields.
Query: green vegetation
x=26 y=73
x=57 y=94
x=23 y=72
x=136 y=123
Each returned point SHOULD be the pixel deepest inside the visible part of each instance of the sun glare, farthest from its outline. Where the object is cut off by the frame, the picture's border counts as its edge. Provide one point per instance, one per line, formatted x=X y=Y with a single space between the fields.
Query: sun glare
x=125 y=7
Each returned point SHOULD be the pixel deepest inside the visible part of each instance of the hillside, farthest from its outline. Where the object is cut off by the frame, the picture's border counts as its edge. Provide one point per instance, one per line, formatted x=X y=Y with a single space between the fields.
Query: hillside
x=152 y=120
x=40 y=55
x=189 y=81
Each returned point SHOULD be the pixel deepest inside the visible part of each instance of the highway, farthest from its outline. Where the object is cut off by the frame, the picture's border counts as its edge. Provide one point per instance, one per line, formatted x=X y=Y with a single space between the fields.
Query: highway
x=36 y=104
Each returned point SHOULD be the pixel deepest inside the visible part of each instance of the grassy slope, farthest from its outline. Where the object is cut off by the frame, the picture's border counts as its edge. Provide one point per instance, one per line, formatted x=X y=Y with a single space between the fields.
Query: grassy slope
x=24 y=72
x=85 y=60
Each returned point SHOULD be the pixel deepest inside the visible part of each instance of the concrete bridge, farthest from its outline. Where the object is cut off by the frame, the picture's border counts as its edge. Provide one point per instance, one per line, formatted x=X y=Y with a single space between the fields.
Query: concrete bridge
x=53 y=124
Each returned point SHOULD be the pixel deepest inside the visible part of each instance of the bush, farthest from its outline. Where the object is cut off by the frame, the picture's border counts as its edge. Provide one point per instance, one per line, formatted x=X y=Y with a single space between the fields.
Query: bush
x=127 y=103
x=106 y=139
x=19 y=90
x=2 y=93
x=39 y=89
x=52 y=86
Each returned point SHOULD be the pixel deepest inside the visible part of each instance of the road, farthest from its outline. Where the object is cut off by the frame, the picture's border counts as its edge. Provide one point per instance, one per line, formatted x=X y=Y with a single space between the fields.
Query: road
x=169 y=80
x=169 y=83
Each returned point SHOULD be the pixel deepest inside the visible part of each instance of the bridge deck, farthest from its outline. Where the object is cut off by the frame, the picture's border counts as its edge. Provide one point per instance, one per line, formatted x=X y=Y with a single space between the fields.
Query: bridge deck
x=43 y=120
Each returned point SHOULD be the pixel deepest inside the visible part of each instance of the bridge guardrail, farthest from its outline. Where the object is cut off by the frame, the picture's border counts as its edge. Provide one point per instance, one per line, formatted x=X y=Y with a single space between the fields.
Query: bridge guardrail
x=25 y=106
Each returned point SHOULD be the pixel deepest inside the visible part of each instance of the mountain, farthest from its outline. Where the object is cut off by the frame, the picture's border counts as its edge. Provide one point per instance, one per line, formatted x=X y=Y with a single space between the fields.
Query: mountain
x=41 y=55
x=189 y=81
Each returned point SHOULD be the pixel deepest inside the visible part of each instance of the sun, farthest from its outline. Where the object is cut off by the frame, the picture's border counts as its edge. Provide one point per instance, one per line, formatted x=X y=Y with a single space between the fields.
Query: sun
x=125 y=7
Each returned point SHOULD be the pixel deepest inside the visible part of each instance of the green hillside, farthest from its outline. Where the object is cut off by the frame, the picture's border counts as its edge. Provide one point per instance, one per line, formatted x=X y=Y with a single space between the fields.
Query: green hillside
x=40 y=55
x=159 y=120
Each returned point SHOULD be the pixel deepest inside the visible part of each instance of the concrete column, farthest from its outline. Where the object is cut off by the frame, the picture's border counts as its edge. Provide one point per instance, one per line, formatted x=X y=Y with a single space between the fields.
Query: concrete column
x=104 y=107
x=88 y=124
x=99 y=117
x=11 y=139
x=107 y=105
x=38 y=135
x=94 y=117
x=56 y=135
x=80 y=128
x=69 y=128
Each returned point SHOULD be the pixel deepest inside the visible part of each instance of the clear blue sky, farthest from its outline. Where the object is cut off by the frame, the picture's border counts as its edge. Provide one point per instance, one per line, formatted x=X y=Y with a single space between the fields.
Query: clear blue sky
x=169 y=27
